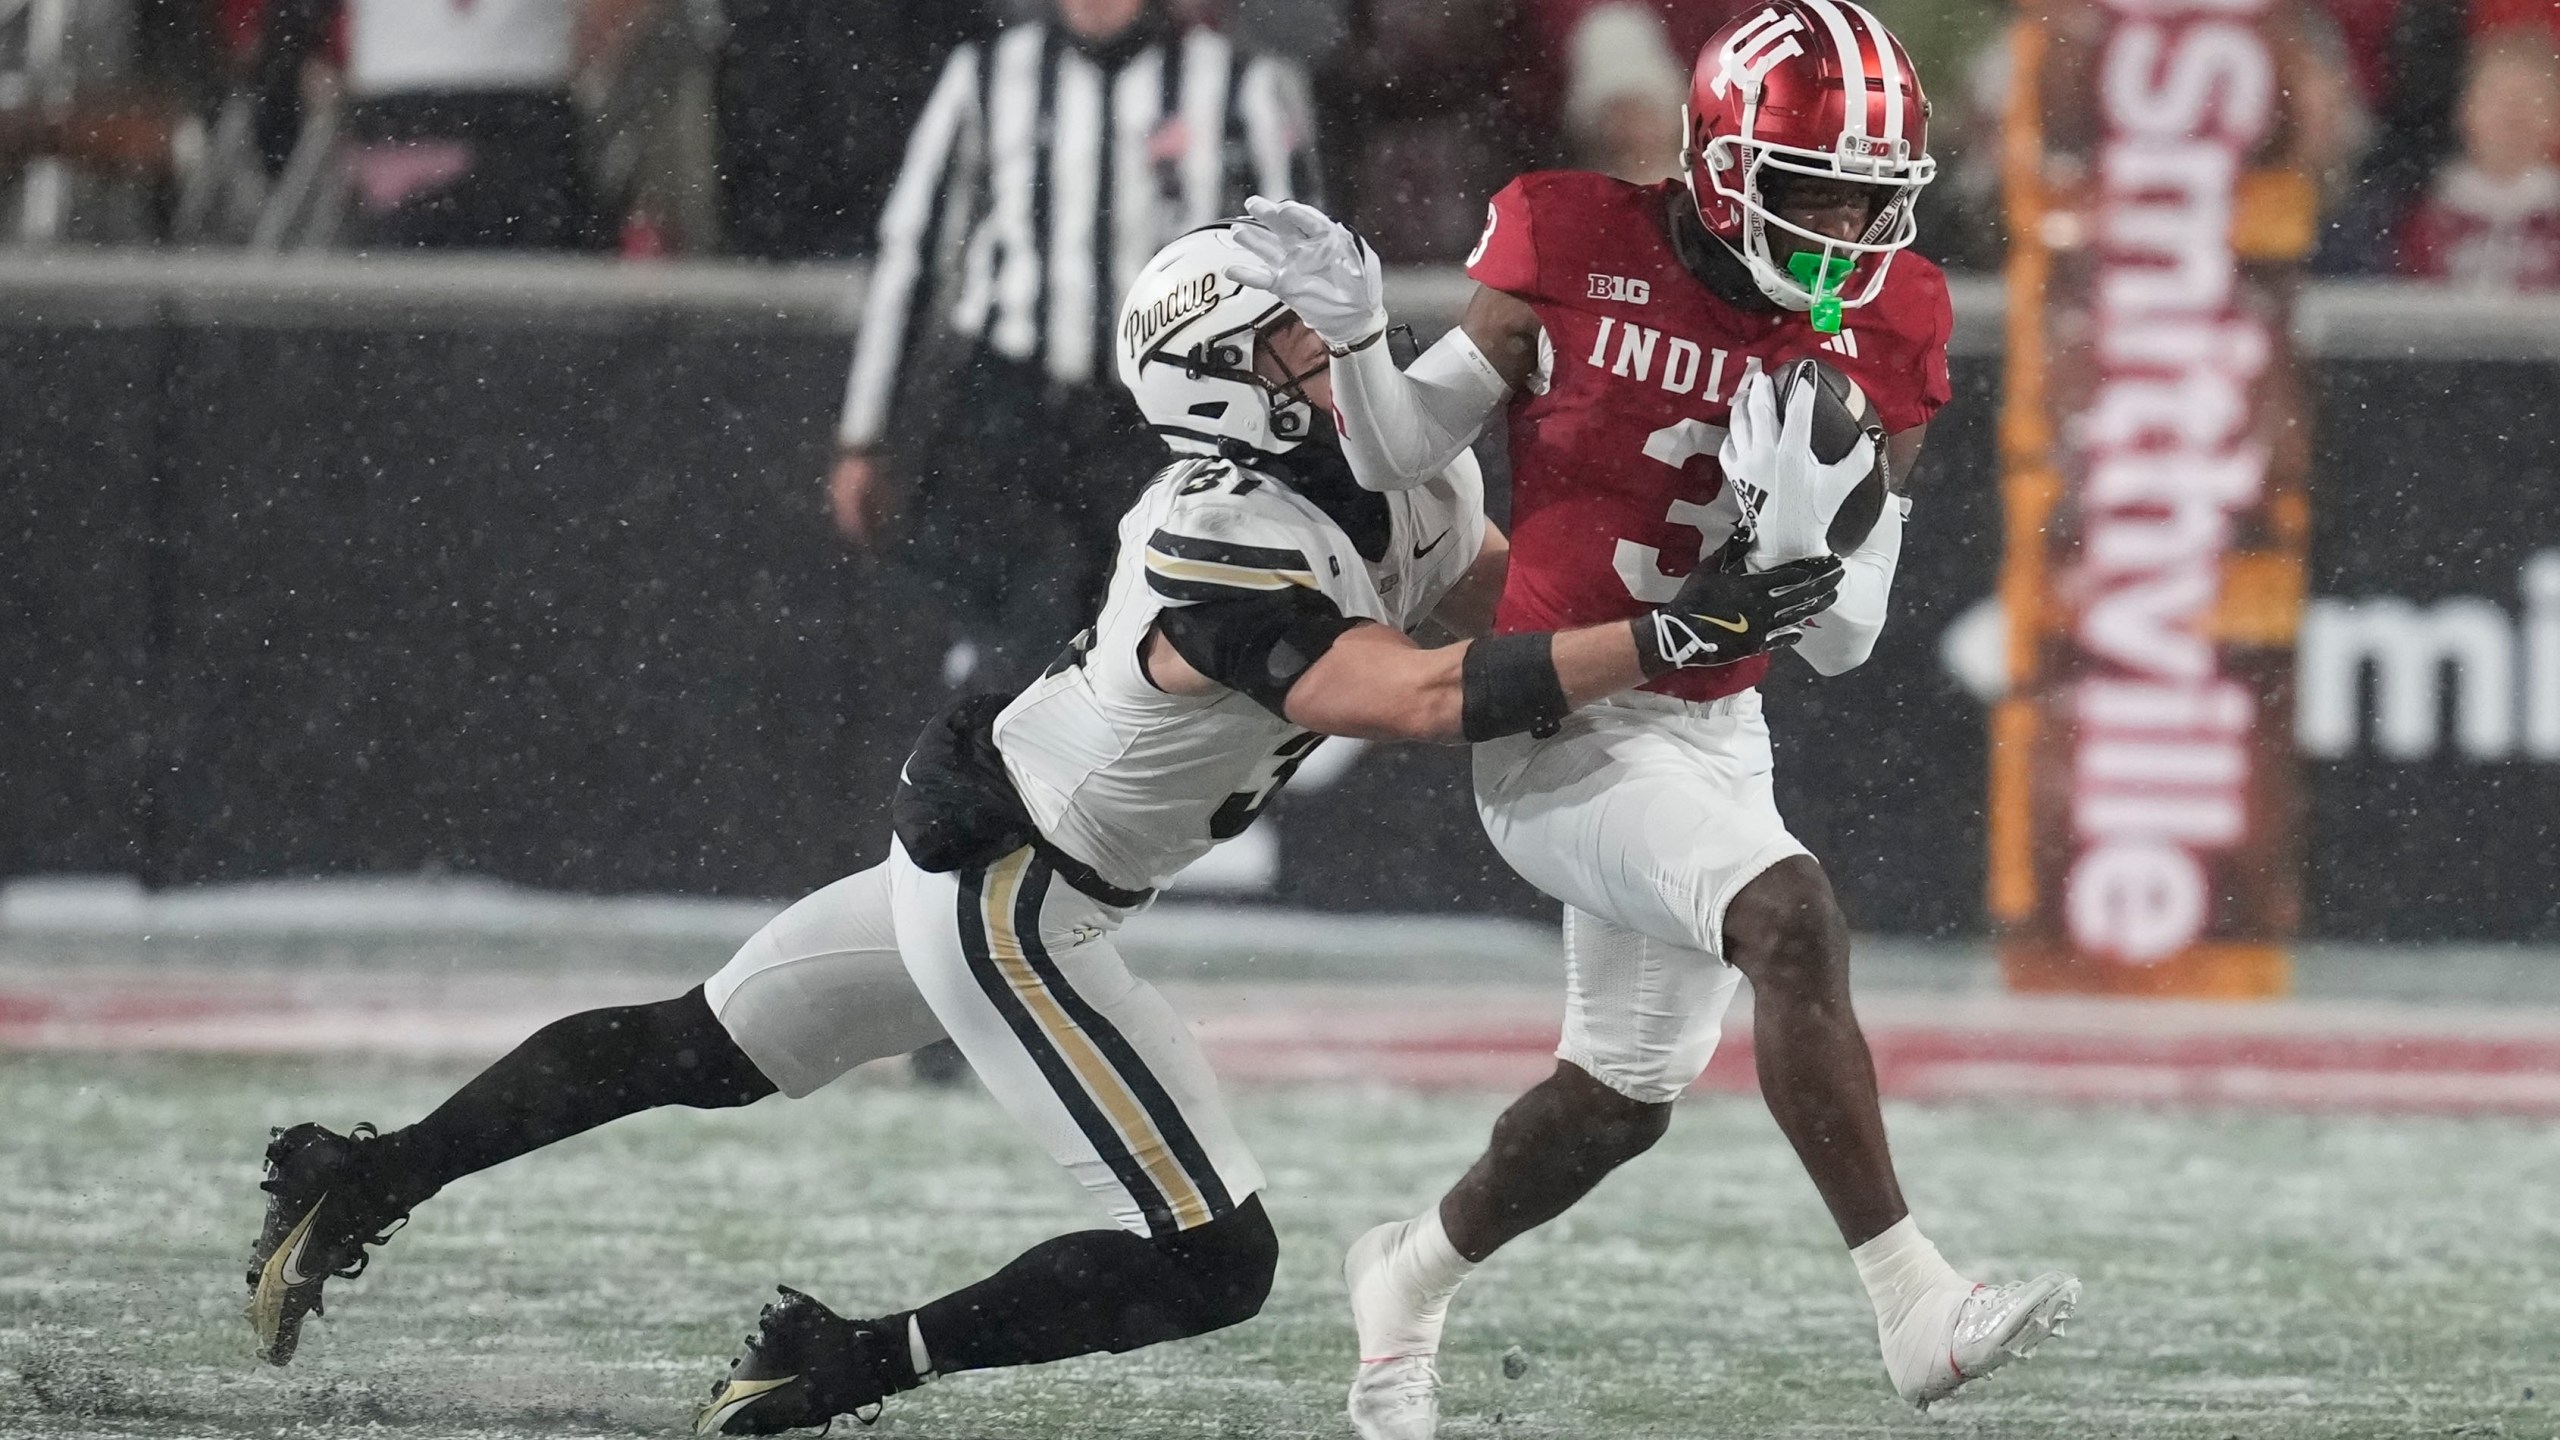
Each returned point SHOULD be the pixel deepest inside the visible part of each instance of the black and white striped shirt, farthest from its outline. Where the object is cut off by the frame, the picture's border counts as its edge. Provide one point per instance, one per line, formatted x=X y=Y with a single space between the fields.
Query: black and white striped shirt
x=1040 y=180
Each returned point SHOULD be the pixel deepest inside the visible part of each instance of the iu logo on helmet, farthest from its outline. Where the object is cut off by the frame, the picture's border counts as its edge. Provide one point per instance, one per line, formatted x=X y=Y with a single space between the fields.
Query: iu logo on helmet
x=1754 y=49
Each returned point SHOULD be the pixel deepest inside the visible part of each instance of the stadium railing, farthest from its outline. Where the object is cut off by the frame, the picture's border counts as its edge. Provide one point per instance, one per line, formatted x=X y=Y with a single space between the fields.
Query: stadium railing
x=2365 y=319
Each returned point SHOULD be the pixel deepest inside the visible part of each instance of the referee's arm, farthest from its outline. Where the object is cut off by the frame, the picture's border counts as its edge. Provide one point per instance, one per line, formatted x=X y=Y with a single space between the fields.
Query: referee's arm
x=938 y=150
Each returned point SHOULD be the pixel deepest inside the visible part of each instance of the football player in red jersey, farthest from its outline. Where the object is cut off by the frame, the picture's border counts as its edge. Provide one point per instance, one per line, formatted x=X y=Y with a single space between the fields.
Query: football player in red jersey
x=1630 y=332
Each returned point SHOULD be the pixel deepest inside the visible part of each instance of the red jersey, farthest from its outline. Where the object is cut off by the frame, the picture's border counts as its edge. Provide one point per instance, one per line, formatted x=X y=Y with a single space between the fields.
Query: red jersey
x=1613 y=456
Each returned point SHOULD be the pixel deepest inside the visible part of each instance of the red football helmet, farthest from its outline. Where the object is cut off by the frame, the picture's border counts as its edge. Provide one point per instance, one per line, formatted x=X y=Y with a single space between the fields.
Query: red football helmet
x=1817 y=88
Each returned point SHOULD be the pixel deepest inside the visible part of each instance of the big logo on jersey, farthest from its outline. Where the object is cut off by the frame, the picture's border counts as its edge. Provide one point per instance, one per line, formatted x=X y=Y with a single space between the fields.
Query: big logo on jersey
x=1625 y=289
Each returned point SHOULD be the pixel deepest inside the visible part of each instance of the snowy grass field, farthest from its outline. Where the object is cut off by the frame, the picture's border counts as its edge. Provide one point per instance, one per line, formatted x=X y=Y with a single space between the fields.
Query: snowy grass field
x=2249 y=1274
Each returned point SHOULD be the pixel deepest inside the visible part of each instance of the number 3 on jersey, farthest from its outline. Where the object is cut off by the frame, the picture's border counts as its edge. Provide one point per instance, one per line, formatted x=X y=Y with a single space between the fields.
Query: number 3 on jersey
x=1245 y=806
x=1640 y=566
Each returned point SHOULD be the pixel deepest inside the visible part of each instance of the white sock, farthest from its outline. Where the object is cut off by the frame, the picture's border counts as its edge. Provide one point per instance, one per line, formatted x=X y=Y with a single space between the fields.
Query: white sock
x=917 y=1355
x=1900 y=1267
x=1420 y=1270
x=1430 y=1264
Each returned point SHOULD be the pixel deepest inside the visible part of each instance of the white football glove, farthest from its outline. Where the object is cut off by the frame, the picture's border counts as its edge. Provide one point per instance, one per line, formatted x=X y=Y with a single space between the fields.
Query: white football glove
x=1317 y=267
x=1788 y=496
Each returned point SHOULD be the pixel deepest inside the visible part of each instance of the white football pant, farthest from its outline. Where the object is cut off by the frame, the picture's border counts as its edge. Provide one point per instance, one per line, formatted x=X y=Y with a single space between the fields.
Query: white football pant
x=1645 y=815
x=1023 y=972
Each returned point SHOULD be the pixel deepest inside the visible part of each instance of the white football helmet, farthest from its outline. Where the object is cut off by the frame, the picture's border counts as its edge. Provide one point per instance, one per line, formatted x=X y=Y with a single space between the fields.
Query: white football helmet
x=1185 y=343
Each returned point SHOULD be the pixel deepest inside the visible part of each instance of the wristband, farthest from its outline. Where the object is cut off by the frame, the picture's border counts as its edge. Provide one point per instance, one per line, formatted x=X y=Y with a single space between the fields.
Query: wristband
x=1511 y=685
x=1356 y=346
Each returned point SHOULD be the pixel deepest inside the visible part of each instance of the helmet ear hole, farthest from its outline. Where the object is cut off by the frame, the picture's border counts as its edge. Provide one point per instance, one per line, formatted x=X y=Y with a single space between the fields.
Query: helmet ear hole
x=1210 y=409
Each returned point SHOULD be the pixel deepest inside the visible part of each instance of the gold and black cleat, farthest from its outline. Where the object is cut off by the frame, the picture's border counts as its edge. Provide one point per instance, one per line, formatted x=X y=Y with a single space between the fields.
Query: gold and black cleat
x=323 y=1209
x=804 y=1366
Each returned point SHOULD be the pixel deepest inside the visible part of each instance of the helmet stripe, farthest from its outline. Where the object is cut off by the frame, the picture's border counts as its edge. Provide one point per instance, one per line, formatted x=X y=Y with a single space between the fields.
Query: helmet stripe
x=1853 y=67
x=1889 y=63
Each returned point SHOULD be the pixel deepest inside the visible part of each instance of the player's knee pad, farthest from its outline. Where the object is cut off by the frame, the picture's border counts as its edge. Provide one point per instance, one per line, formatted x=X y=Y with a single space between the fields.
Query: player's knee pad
x=1229 y=1261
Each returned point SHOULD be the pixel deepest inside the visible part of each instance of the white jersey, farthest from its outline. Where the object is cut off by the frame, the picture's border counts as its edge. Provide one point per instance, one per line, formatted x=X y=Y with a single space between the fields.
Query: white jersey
x=398 y=46
x=1138 y=783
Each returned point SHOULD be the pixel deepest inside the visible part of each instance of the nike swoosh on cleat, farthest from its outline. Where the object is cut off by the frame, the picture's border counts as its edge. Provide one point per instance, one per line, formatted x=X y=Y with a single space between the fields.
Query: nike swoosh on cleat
x=290 y=1271
x=279 y=1276
x=738 y=1396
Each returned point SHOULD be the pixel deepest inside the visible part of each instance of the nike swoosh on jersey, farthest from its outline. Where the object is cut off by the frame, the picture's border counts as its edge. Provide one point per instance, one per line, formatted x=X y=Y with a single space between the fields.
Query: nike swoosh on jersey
x=1421 y=550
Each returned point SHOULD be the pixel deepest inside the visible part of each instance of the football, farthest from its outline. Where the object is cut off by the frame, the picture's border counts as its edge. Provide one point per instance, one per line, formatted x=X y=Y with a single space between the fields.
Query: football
x=1840 y=415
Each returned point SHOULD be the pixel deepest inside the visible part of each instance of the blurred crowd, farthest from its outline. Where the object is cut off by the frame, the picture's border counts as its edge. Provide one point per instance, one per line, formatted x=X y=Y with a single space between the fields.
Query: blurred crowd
x=775 y=128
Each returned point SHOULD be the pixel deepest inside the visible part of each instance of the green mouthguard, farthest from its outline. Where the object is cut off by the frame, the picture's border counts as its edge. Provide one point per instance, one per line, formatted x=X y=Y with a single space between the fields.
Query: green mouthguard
x=1825 y=279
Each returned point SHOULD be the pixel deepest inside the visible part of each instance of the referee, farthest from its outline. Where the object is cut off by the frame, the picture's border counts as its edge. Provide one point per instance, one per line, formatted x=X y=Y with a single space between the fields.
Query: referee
x=985 y=444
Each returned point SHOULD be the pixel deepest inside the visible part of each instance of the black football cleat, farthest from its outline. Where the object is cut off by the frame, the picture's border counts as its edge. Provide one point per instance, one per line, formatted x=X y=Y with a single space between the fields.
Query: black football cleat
x=323 y=1209
x=804 y=1366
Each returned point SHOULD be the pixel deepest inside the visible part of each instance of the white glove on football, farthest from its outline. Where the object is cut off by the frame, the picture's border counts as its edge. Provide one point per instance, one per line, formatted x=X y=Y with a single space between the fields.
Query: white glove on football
x=1789 y=496
x=1317 y=267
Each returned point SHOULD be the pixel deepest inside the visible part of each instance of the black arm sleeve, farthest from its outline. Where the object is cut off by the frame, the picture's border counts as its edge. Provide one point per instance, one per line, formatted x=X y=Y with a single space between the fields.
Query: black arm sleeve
x=1258 y=644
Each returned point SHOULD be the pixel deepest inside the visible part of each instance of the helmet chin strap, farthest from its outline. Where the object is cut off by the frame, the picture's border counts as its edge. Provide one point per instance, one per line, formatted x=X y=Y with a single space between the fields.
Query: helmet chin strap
x=1760 y=269
x=1714 y=262
x=1293 y=421
x=1293 y=415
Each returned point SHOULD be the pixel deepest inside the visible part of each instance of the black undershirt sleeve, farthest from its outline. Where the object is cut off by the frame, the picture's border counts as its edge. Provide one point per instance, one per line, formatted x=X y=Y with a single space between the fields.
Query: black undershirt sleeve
x=1256 y=644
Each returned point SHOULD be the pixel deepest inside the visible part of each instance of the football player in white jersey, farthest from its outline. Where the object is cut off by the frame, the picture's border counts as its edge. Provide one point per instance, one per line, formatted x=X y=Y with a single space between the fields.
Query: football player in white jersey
x=1262 y=600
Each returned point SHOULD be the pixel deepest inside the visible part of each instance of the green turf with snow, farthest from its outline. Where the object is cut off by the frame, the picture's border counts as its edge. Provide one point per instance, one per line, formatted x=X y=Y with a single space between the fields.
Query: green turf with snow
x=2248 y=1275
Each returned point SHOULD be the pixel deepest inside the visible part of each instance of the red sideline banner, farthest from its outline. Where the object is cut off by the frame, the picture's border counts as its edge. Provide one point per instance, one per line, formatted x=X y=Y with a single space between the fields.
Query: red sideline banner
x=2144 y=803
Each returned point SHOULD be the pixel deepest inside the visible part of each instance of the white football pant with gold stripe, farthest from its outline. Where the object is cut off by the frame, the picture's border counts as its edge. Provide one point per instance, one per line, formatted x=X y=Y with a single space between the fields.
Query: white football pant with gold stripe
x=1021 y=969
x=1024 y=972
